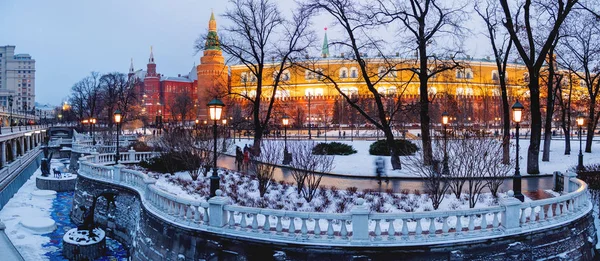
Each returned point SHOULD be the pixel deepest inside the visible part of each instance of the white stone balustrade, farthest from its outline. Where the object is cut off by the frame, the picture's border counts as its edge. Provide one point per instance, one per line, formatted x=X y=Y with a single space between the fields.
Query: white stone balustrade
x=358 y=227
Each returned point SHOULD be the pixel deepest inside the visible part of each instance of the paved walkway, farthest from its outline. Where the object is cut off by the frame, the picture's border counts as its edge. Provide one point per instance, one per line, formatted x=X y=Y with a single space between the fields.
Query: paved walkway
x=534 y=184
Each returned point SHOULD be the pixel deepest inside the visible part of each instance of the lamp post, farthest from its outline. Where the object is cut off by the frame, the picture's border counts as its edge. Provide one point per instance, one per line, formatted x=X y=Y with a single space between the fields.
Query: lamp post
x=285 y=120
x=215 y=107
x=93 y=122
x=309 y=117
x=580 y=122
x=117 y=116
x=445 y=169
x=10 y=118
x=517 y=109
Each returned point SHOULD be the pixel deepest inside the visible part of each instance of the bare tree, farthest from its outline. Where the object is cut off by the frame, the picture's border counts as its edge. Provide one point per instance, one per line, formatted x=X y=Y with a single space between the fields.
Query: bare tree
x=533 y=43
x=494 y=167
x=501 y=47
x=308 y=168
x=111 y=83
x=564 y=102
x=354 y=21
x=182 y=105
x=436 y=183
x=422 y=24
x=264 y=164
x=582 y=59
x=263 y=41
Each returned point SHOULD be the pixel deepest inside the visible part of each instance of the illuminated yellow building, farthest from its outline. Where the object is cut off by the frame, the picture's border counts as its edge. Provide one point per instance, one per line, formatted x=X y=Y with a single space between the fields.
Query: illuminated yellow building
x=471 y=94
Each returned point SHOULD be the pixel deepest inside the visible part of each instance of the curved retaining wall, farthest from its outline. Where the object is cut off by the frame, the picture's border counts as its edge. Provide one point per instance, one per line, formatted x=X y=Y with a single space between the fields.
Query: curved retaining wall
x=152 y=237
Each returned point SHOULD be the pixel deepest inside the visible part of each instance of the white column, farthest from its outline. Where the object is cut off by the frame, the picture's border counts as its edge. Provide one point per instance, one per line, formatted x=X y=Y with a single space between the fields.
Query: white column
x=3 y=153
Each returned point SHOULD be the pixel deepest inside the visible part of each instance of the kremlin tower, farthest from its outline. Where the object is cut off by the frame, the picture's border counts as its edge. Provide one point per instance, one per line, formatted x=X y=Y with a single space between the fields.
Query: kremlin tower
x=212 y=72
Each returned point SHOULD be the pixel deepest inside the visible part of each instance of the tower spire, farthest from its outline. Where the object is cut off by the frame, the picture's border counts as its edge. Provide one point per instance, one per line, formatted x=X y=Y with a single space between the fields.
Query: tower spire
x=131 y=70
x=212 y=40
x=325 y=49
x=151 y=60
x=212 y=23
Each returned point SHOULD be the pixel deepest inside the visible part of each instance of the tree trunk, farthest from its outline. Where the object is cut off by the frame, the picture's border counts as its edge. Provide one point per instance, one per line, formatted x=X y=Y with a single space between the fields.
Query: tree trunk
x=591 y=126
x=567 y=131
x=505 y=123
x=547 y=140
x=533 y=153
x=424 y=106
x=394 y=154
x=258 y=134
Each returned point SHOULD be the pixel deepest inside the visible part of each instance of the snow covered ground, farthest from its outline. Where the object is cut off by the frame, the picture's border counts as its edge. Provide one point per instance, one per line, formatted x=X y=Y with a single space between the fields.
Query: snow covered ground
x=242 y=190
x=362 y=163
x=24 y=205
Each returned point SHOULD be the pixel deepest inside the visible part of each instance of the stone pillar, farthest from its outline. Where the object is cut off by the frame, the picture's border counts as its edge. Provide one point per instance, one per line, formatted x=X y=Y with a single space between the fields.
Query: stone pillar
x=3 y=153
x=511 y=217
x=117 y=173
x=217 y=216
x=14 y=148
x=95 y=155
x=360 y=221
x=22 y=145
x=131 y=153
x=568 y=187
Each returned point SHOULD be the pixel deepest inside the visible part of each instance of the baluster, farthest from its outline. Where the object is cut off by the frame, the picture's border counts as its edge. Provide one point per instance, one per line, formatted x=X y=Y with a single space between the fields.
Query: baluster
x=418 y=229
x=550 y=215
x=445 y=227
x=231 y=219
x=391 y=229
x=182 y=210
x=292 y=227
x=197 y=214
x=458 y=225
x=329 y=228
x=279 y=226
x=532 y=216
x=558 y=210
x=205 y=218
x=317 y=229
x=254 y=222
x=570 y=206
x=344 y=230
x=523 y=217
x=377 y=230
x=404 y=229
x=267 y=225
x=304 y=228
x=484 y=222
x=541 y=214
x=243 y=224
x=471 y=223
x=496 y=222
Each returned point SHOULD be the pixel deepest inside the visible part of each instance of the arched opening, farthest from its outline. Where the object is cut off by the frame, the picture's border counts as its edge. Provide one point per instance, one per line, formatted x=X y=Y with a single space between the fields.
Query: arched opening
x=8 y=152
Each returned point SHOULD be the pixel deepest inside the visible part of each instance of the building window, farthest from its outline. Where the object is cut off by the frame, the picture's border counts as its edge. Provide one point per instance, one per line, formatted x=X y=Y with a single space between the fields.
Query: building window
x=432 y=91
x=243 y=77
x=460 y=91
x=495 y=75
x=353 y=72
x=318 y=91
x=469 y=91
x=381 y=90
x=309 y=75
x=465 y=73
x=309 y=92
x=343 y=73
x=392 y=90
x=526 y=77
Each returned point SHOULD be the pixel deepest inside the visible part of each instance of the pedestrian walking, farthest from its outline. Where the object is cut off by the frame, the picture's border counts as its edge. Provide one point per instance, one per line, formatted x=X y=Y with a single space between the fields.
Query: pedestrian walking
x=239 y=157
x=246 y=159
x=380 y=169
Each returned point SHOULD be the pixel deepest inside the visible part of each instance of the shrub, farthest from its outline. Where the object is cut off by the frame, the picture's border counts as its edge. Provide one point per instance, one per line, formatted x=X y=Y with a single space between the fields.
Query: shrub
x=140 y=146
x=333 y=148
x=404 y=147
x=172 y=162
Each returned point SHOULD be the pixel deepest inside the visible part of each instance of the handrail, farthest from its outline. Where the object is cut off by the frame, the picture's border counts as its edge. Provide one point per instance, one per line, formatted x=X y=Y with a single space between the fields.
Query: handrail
x=359 y=227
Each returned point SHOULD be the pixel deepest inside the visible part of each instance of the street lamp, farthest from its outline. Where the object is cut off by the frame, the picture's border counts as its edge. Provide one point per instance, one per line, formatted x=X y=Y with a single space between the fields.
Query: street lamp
x=580 y=122
x=517 y=109
x=10 y=120
x=117 y=116
x=445 y=169
x=287 y=157
x=93 y=122
x=215 y=107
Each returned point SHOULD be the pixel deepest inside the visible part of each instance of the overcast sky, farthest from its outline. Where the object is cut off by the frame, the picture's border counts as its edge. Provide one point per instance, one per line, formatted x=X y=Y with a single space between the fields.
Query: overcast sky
x=70 y=38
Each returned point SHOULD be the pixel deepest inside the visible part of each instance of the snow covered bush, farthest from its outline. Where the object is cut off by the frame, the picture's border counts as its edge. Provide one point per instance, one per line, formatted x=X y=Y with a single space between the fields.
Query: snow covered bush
x=381 y=148
x=333 y=148
x=307 y=168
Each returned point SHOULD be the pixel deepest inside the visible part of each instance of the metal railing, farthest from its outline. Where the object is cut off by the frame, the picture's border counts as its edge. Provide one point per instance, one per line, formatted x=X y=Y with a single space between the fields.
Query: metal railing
x=359 y=227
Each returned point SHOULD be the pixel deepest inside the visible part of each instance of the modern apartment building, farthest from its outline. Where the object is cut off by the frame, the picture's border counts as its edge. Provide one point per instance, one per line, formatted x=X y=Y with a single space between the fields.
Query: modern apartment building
x=17 y=79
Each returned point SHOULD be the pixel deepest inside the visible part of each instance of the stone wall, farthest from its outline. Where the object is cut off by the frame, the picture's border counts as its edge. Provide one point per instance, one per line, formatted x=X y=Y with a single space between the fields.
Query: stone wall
x=152 y=238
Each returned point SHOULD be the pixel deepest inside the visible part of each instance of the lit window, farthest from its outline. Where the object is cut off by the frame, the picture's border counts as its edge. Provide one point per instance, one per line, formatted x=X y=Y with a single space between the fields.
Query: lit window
x=318 y=91
x=495 y=75
x=460 y=91
x=392 y=90
x=381 y=90
x=343 y=73
x=353 y=72
x=309 y=92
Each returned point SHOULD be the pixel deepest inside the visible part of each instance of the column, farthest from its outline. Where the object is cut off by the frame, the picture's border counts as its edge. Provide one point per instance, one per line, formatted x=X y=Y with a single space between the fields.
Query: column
x=13 y=148
x=22 y=145
x=3 y=153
